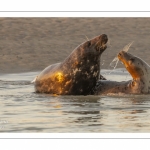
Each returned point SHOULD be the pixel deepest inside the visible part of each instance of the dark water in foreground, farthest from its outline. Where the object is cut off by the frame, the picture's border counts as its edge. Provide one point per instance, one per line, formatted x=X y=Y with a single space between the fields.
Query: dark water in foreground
x=22 y=110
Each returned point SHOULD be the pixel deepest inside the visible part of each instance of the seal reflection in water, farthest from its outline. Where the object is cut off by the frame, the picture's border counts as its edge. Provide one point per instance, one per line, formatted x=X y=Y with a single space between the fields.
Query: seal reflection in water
x=77 y=74
x=138 y=69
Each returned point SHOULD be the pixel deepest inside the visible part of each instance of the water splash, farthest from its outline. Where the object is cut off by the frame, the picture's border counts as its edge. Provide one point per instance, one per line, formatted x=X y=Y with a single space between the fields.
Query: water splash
x=115 y=61
x=103 y=62
x=126 y=48
x=114 y=64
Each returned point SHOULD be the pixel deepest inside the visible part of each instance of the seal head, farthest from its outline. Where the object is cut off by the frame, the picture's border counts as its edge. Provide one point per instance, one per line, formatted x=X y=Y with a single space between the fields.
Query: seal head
x=139 y=70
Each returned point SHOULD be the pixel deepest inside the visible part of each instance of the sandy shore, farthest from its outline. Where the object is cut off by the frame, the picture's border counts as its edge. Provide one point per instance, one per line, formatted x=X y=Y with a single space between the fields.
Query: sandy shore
x=31 y=44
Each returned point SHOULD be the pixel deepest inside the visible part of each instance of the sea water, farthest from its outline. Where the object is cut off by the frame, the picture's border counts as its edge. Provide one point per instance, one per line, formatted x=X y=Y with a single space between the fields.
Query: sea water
x=23 y=110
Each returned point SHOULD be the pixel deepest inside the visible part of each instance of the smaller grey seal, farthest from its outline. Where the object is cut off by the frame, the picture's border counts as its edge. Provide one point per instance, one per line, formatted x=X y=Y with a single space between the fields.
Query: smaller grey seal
x=77 y=74
x=138 y=69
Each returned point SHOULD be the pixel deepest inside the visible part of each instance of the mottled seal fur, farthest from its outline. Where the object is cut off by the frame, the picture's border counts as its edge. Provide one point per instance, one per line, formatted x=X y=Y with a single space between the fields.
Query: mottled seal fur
x=138 y=69
x=77 y=74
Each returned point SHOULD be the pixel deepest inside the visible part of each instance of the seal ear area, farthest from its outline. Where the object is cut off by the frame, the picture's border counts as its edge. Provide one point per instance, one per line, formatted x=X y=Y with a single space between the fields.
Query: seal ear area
x=87 y=44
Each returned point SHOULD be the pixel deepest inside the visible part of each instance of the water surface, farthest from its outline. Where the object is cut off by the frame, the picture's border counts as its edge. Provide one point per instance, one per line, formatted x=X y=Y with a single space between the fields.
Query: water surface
x=23 y=110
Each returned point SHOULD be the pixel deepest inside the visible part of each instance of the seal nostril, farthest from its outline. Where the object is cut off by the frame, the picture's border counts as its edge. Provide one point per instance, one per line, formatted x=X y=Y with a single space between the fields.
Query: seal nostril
x=105 y=38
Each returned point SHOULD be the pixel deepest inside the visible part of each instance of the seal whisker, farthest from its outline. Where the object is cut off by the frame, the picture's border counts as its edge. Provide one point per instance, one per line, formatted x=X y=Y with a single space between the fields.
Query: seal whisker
x=86 y=38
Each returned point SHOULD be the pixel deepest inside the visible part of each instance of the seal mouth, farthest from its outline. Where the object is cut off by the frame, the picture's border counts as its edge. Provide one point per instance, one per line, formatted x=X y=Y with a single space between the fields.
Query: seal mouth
x=101 y=46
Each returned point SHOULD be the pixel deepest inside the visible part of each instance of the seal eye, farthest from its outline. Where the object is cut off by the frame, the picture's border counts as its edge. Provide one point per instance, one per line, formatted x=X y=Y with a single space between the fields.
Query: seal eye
x=89 y=44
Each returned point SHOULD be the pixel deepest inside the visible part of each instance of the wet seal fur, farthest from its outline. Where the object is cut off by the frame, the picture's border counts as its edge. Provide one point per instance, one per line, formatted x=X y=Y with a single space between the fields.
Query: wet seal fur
x=138 y=69
x=77 y=74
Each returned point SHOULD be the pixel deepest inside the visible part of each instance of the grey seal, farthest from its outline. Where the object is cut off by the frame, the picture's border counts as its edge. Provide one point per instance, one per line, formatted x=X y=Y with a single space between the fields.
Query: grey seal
x=137 y=68
x=77 y=74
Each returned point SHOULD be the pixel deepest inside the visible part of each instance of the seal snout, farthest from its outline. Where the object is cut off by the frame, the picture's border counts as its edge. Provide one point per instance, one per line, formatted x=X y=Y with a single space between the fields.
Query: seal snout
x=124 y=55
x=104 y=38
x=101 y=44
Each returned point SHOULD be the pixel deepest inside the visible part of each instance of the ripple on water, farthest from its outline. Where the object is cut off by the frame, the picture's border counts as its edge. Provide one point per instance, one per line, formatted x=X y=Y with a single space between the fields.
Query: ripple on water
x=23 y=110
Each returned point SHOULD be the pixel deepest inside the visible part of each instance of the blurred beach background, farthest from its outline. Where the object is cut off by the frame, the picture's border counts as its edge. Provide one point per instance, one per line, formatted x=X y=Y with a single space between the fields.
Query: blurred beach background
x=31 y=44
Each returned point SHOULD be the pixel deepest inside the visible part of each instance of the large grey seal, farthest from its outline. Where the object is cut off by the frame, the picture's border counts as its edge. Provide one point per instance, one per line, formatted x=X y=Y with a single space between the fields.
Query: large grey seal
x=138 y=69
x=77 y=74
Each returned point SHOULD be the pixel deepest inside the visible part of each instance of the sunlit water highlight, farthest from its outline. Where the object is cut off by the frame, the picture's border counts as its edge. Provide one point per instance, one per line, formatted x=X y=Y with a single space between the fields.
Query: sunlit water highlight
x=23 y=110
